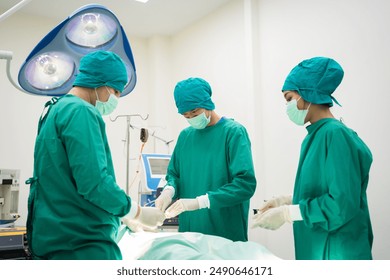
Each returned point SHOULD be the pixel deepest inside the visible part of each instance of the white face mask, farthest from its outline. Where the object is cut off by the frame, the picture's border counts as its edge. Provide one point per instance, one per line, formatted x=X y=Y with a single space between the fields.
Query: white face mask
x=296 y=116
x=106 y=108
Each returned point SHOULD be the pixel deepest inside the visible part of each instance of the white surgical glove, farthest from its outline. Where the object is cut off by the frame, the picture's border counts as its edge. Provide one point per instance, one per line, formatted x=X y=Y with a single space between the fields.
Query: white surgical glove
x=181 y=206
x=136 y=226
x=274 y=218
x=148 y=219
x=165 y=198
x=276 y=202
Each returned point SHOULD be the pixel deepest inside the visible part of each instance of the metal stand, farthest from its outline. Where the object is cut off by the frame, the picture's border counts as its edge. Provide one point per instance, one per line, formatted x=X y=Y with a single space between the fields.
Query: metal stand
x=153 y=134
x=128 y=125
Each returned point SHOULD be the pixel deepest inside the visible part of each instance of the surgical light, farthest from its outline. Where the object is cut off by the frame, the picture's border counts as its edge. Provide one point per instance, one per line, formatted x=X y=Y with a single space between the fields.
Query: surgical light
x=91 y=30
x=51 y=68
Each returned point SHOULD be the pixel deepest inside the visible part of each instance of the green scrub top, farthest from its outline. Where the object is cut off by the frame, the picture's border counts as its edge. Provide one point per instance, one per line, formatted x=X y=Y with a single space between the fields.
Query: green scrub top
x=330 y=188
x=216 y=160
x=74 y=204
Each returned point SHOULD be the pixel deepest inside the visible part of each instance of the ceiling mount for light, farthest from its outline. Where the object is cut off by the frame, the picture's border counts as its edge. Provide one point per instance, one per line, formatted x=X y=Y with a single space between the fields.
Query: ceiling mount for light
x=51 y=67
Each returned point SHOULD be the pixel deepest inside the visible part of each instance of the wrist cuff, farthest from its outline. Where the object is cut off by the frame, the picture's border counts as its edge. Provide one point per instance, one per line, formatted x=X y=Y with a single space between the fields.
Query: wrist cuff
x=170 y=189
x=203 y=201
x=295 y=212
x=133 y=210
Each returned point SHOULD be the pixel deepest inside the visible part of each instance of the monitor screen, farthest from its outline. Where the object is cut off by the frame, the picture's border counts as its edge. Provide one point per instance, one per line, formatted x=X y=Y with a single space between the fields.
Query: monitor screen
x=158 y=166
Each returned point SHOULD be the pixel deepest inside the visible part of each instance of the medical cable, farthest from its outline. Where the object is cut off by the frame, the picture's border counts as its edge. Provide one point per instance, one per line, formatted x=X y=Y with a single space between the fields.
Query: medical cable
x=144 y=138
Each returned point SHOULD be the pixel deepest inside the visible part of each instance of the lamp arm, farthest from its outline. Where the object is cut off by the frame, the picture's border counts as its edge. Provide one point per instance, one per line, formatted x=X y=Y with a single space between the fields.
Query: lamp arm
x=14 y=9
x=7 y=55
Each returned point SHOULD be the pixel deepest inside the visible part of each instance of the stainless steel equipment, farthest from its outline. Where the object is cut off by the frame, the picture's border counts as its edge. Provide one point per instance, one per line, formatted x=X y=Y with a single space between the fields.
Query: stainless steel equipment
x=9 y=197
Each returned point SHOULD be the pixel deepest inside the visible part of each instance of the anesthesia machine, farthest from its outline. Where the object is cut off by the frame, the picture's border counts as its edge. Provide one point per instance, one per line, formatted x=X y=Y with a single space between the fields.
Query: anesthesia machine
x=153 y=180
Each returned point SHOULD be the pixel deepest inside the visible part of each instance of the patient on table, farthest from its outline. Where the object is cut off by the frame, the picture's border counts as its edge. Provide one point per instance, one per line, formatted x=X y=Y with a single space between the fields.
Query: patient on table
x=187 y=246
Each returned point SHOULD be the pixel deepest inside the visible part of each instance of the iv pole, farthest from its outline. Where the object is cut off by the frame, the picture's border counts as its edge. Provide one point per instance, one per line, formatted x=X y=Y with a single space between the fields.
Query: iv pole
x=128 y=125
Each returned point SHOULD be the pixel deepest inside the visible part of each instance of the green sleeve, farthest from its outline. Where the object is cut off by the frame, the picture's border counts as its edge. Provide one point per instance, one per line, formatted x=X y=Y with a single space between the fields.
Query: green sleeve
x=342 y=176
x=173 y=176
x=242 y=183
x=84 y=137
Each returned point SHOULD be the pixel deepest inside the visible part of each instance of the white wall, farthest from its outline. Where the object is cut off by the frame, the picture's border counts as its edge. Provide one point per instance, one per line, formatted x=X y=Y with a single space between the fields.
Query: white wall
x=214 y=49
x=354 y=33
x=245 y=50
x=19 y=112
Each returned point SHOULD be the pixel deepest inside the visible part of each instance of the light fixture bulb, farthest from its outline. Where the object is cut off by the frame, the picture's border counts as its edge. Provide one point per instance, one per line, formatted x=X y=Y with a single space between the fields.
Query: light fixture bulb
x=91 y=30
x=47 y=64
x=90 y=23
x=49 y=70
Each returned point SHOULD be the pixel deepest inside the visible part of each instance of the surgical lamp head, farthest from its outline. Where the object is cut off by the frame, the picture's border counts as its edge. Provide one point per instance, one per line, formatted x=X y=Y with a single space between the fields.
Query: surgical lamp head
x=51 y=68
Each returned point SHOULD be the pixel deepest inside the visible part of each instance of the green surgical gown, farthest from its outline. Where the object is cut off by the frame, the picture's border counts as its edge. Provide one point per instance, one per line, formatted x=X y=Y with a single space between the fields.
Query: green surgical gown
x=330 y=188
x=216 y=160
x=75 y=205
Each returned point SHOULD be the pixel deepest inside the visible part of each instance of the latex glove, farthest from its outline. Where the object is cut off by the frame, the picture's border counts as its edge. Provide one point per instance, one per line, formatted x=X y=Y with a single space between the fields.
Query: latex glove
x=135 y=226
x=276 y=202
x=181 y=206
x=164 y=199
x=273 y=218
x=148 y=219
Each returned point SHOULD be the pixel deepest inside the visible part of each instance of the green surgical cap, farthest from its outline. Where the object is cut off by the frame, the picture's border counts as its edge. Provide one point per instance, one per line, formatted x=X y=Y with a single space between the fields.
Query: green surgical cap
x=102 y=68
x=315 y=79
x=193 y=93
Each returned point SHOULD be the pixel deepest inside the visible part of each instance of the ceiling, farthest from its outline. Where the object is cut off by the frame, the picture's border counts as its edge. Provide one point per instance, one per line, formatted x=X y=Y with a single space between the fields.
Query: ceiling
x=156 y=17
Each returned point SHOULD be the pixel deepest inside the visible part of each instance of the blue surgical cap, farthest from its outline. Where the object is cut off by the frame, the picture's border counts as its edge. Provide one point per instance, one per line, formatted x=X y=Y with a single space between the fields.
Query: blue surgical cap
x=193 y=93
x=315 y=79
x=102 y=68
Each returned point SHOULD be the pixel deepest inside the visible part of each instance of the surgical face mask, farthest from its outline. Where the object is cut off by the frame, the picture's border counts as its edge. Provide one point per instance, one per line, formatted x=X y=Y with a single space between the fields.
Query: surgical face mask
x=297 y=116
x=200 y=121
x=106 y=108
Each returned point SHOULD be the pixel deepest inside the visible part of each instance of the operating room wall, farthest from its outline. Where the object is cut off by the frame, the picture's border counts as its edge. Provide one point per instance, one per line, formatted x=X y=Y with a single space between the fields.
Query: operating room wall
x=245 y=49
x=19 y=112
x=354 y=33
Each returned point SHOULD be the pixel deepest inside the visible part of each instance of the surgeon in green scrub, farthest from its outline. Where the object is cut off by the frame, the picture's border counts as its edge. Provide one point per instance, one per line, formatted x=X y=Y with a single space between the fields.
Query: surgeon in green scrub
x=75 y=204
x=211 y=171
x=329 y=207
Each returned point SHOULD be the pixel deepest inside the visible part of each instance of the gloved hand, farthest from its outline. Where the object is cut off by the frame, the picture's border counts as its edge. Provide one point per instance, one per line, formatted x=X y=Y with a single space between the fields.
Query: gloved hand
x=275 y=202
x=135 y=226
x=148 y=219
x=273 y=218
x=181 y=206
x=164 y=199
